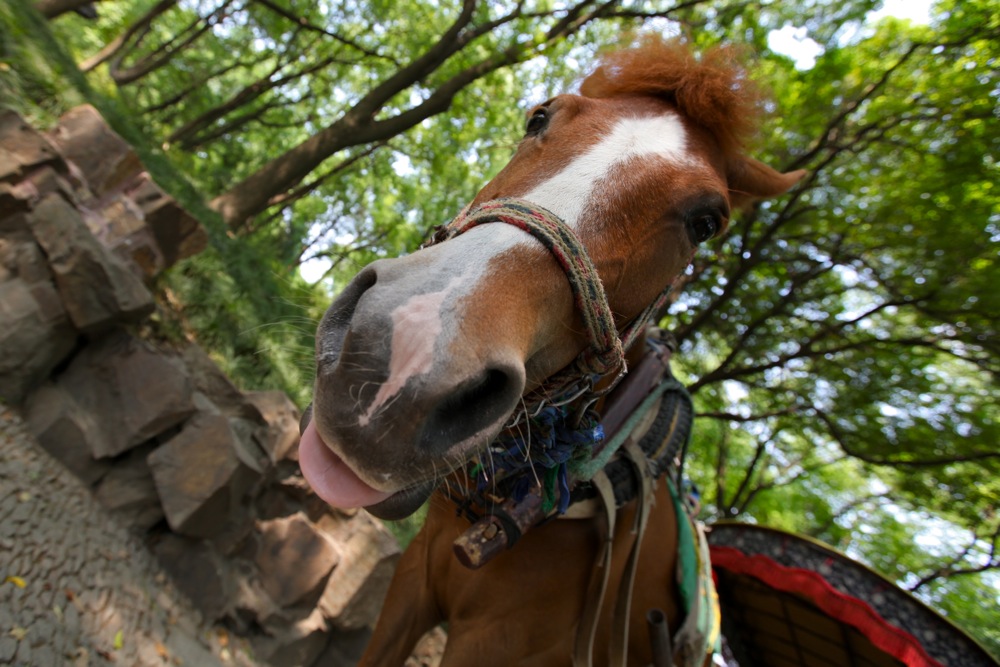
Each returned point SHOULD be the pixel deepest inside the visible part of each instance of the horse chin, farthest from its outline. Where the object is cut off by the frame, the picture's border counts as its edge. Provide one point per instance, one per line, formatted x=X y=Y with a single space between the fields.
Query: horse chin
x=403 y=503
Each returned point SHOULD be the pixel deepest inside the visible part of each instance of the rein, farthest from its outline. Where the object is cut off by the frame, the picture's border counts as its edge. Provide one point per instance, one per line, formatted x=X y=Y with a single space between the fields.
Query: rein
x=650 y=413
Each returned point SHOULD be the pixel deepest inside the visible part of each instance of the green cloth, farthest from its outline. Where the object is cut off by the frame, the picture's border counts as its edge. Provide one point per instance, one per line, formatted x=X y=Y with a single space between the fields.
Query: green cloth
x=687 y=552
x=588 y=468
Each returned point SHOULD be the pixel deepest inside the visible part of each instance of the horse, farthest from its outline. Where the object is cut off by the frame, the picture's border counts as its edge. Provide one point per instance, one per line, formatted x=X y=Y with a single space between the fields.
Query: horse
x=425 y=362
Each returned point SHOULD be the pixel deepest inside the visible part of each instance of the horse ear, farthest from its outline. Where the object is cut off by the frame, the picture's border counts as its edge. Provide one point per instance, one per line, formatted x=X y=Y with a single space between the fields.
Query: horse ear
x=750 y=180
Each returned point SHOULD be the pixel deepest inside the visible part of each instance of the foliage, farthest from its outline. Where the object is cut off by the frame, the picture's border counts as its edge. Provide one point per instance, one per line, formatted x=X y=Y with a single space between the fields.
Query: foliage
x=840 y=343
x=32 y=67
x=845 y=337
x=243 y=303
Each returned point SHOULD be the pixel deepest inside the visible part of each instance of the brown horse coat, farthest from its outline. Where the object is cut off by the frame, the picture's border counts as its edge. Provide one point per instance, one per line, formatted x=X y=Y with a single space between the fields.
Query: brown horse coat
x=422 y=359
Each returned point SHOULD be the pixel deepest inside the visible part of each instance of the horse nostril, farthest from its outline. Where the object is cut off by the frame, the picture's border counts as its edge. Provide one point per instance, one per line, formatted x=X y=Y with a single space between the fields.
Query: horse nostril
x=342 y=309
x=470 y=398
x=337 y=320
x=471 y=408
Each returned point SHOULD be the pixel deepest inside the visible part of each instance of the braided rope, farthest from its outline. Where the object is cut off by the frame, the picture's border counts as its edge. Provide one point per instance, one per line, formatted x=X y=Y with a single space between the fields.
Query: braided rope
x=606 y=353
x=555 y=441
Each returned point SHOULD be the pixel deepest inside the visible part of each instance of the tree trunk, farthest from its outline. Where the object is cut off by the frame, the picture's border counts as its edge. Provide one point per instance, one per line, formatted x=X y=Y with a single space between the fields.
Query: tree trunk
x=53 y=8
x=124 y=76
x=357 y=127
x=252 y=195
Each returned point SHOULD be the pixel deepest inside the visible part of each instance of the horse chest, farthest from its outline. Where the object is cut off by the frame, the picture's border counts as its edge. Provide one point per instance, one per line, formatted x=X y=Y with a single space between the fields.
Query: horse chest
x=525 y=605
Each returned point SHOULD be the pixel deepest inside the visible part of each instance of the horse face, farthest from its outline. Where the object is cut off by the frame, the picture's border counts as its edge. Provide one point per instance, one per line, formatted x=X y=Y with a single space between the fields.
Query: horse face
x=638 y=184
x=422 y=359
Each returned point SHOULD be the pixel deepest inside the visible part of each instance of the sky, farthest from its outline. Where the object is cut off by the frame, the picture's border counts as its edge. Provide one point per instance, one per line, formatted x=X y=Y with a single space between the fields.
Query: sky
x=918 y=11
x=795 y=42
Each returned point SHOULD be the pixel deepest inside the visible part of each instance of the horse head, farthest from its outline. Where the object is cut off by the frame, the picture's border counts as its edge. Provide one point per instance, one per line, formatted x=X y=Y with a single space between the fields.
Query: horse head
x=422 y=359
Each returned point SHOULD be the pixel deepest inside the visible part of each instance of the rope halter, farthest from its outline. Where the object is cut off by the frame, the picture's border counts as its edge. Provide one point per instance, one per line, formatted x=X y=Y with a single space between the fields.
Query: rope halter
x=605 y=353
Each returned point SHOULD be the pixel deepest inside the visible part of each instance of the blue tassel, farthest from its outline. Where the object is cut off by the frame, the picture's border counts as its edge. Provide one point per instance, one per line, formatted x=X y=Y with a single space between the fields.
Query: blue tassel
x=517 y=460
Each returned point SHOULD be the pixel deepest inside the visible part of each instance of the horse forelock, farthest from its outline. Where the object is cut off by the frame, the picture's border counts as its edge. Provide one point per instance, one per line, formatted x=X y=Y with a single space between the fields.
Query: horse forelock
x=711 y=90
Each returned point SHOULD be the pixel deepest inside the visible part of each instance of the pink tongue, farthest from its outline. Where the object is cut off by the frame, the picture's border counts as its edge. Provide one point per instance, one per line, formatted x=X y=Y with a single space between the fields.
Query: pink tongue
x=330 y=477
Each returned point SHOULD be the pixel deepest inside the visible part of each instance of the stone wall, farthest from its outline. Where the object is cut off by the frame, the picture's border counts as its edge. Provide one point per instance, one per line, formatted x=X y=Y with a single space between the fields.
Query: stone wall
x=206 y=473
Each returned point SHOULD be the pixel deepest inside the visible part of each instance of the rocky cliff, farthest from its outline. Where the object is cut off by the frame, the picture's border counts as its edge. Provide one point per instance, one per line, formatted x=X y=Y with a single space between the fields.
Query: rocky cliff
x=204 y=473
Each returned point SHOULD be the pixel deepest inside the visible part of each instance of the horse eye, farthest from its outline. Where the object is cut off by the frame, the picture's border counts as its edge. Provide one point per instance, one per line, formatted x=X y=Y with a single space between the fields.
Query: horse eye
x=702 y=227
x=538 y=121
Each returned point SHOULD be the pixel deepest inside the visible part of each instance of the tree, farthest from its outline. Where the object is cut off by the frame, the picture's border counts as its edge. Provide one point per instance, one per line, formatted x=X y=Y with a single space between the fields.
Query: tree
x=54 y=8
x=842 y=343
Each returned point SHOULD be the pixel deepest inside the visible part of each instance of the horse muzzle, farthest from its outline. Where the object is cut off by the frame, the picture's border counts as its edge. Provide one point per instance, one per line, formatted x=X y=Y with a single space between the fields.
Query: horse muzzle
x=410 y=383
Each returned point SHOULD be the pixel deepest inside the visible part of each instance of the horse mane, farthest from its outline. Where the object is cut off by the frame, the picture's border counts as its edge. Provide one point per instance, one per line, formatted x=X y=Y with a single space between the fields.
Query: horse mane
x=711 y=90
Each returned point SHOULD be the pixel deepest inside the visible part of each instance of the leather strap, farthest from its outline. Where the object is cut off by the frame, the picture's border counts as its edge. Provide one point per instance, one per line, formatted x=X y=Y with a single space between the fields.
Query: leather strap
x=623 y=605
x=583 y=649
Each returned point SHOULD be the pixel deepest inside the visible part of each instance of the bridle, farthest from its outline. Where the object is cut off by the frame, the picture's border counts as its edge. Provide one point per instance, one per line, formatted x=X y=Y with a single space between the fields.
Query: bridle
x=605 y=354
x=574 y=447
x=638 y=458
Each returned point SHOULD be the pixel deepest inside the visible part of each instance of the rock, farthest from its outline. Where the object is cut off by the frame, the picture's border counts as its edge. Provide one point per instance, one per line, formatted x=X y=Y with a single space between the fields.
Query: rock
x=238 y=540
x=50 y=179
x=198 y=476
x=297 y=646
x=35 y=331
x=138 y=391
x=286 y=493
x=120 y=225
x=35 y=336
x=105 y=159
x=66 y=431
x=345 y=648
x=282 y=418
x=128 y=491
x=354 y=592
x=36 y=182
x=251 y=605
x=248 y=443
x=15 y=198
x=211 y=382
x=21 y=257
x=22 y=147
x=197 y=572
x=178 y=234
x=97 y=289
x=294 y=558
x=203 y=403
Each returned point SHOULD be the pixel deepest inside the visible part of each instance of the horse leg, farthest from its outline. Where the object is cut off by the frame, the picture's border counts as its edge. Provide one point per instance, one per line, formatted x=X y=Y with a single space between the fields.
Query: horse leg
x=408 y=612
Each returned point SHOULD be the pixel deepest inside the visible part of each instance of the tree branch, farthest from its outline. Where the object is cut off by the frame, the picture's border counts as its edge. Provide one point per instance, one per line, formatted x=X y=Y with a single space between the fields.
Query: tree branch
x=952 y=569
x=308 y=25
x=137 y=30
x=161 y=56
x=841 y=438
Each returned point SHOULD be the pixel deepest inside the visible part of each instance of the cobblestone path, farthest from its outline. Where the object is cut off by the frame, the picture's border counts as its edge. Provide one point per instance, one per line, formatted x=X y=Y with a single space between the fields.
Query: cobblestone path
x=76 y=588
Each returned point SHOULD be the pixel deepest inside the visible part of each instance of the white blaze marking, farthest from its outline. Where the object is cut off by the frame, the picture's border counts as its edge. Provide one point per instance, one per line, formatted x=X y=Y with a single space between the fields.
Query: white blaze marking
x=416 y=325
x=566 y=194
